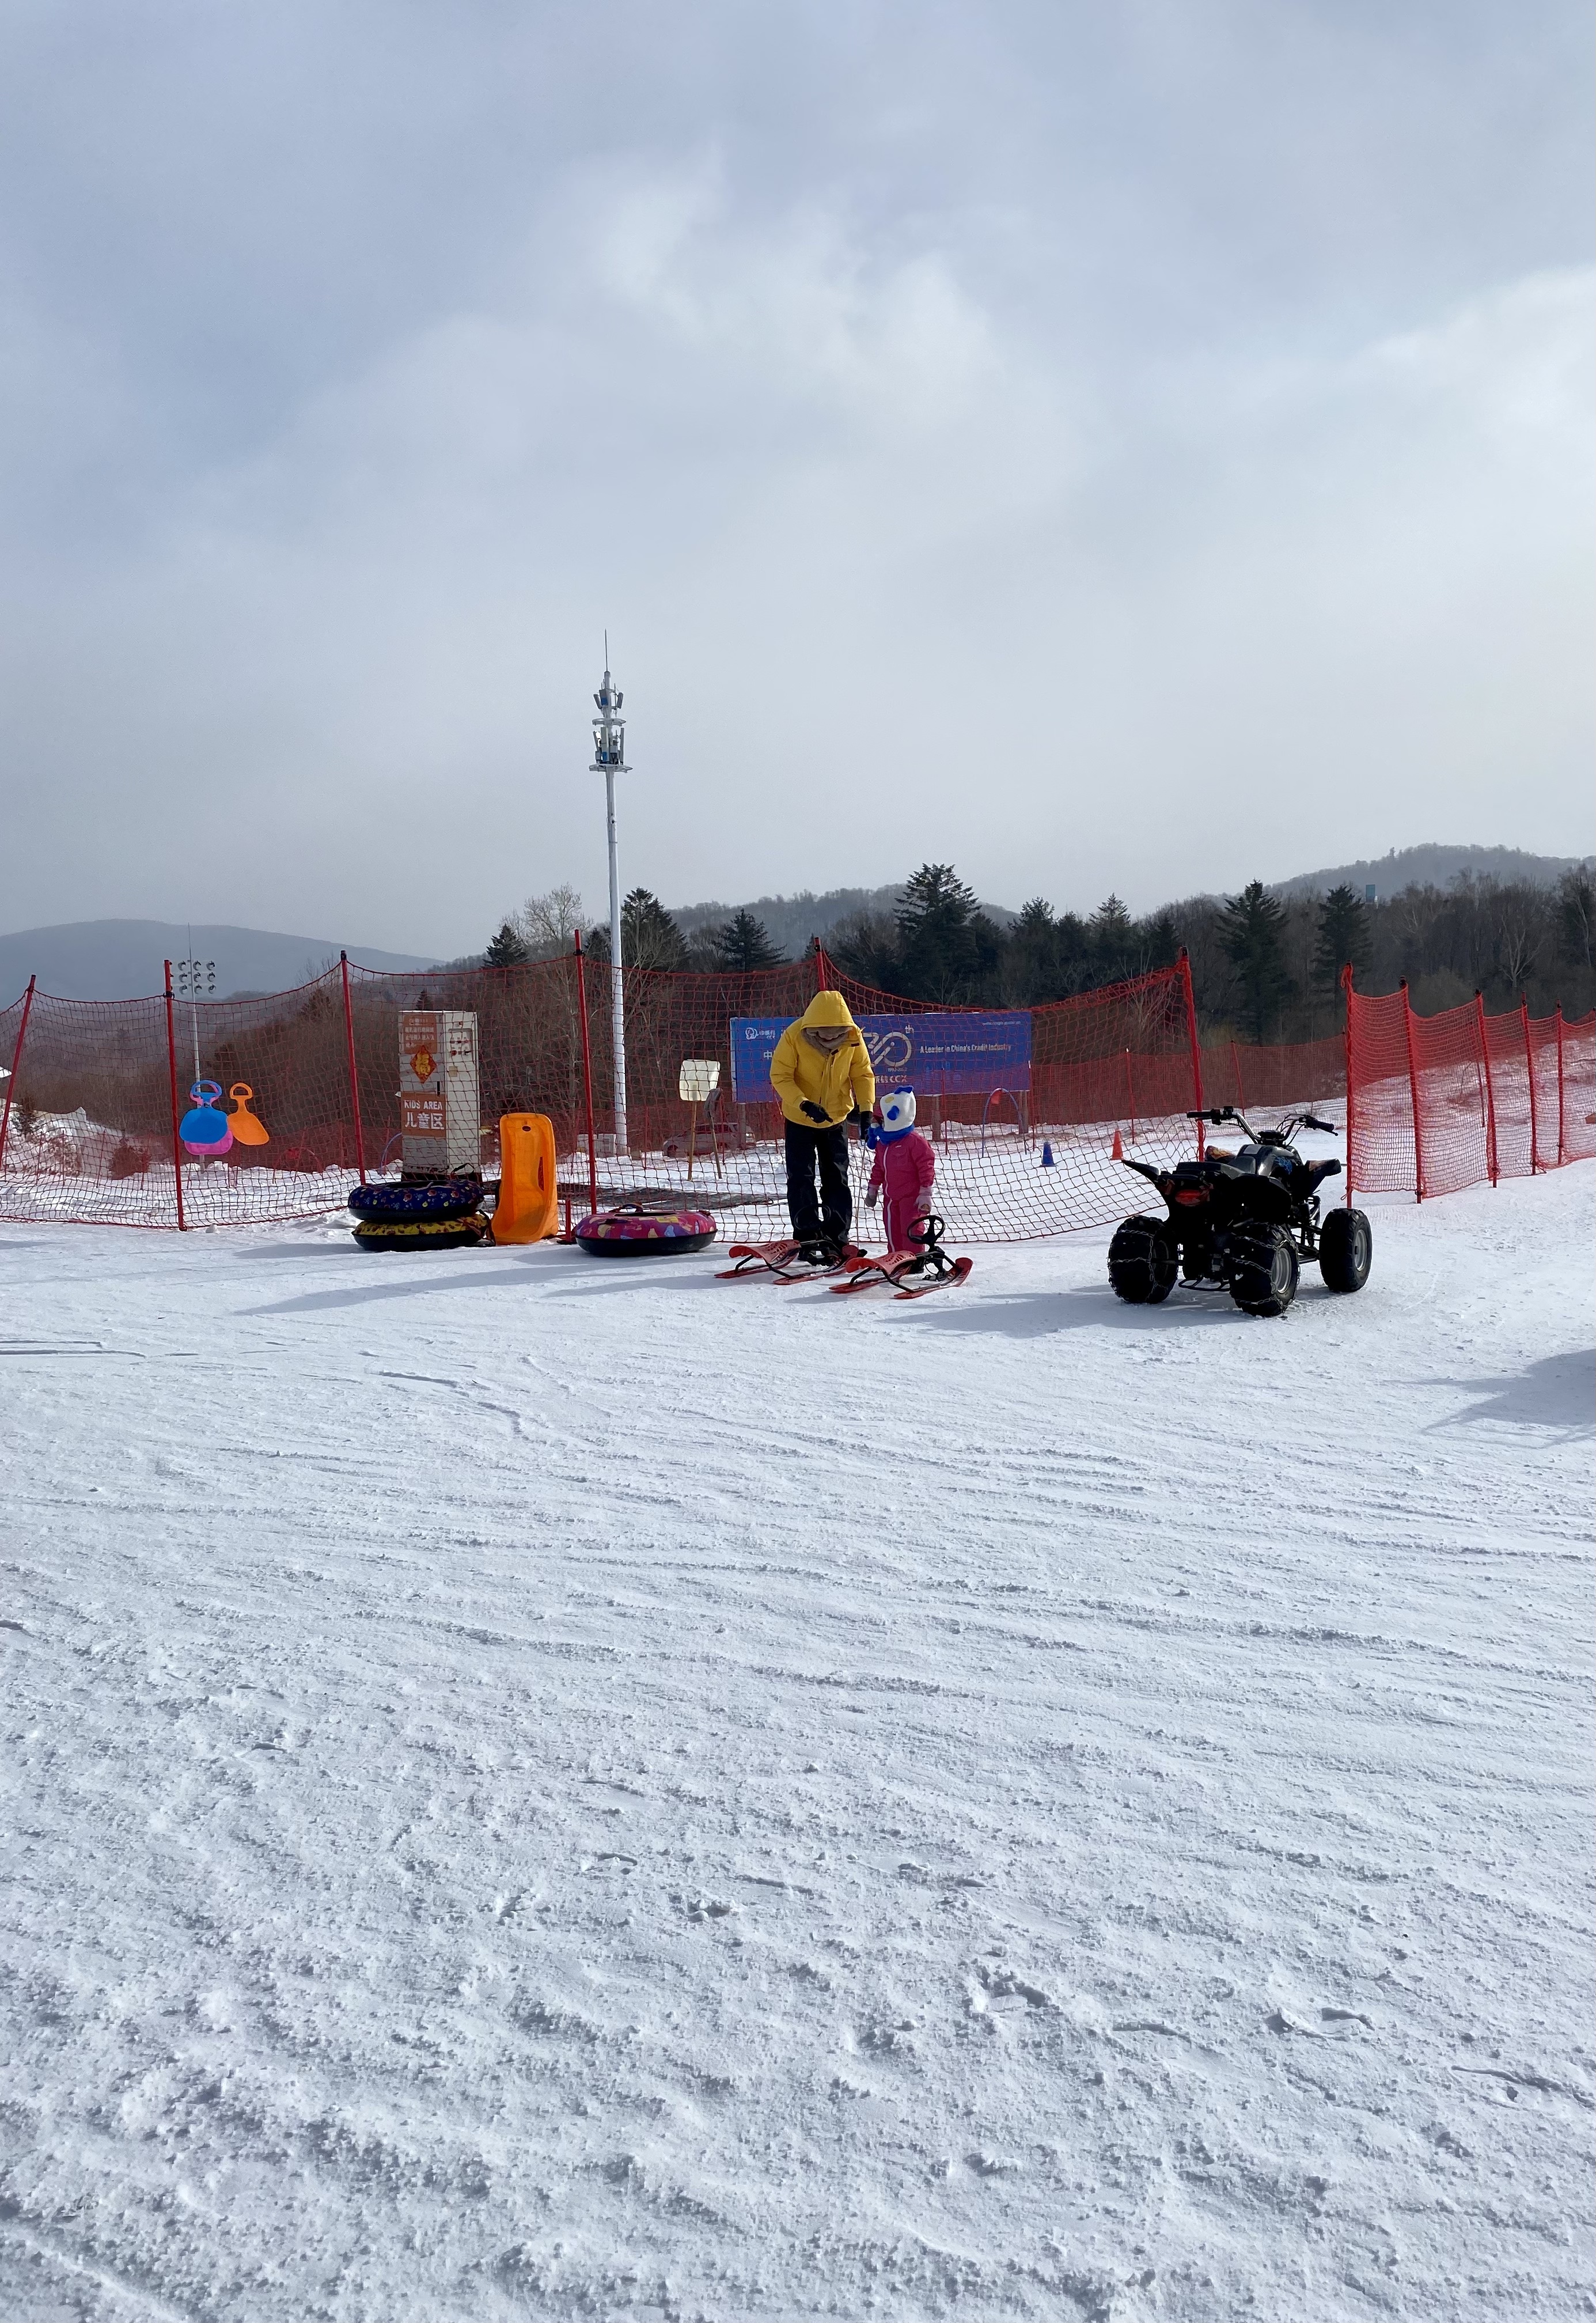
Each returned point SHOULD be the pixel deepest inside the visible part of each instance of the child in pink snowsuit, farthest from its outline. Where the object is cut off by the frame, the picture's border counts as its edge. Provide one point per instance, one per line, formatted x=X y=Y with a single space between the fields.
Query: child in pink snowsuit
x=905 y=1165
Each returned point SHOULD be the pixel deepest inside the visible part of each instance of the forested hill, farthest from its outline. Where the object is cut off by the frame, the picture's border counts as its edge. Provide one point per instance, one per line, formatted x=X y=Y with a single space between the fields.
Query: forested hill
x=1435 y=867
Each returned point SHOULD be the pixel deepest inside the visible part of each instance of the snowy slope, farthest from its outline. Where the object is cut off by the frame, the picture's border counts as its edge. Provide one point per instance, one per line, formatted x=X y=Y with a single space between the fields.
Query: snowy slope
x=538 y=1788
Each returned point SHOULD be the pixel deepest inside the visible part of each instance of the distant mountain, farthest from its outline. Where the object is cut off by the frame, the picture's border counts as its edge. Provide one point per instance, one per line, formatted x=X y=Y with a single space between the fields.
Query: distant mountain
x=120 y=960
x=1433 y=867
x=790 y=921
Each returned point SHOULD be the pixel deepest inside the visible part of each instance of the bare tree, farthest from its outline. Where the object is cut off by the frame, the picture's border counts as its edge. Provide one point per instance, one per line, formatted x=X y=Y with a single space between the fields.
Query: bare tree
x=546 y=922
x=1519 y=940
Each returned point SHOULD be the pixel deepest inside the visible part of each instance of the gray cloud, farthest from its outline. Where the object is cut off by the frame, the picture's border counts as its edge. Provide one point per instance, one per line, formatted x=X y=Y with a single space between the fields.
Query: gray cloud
x=1137 y=447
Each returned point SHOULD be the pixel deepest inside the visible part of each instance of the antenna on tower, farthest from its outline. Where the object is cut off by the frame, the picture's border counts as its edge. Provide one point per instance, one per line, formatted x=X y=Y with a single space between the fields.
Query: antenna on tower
x=606 y=653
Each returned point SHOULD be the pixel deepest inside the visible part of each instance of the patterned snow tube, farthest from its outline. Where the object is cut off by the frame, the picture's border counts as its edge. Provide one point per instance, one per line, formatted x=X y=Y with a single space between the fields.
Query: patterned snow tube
x=394 y=1203
x=634 y=1232
x=422 y=1234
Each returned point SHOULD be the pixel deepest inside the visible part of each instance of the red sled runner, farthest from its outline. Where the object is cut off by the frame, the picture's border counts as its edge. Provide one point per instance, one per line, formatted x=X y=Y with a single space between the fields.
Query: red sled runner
x=901 y=1270
x=788 y=1262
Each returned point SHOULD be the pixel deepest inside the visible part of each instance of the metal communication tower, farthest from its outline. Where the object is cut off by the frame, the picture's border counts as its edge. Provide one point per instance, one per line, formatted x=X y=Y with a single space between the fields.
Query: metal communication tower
x=609 y=760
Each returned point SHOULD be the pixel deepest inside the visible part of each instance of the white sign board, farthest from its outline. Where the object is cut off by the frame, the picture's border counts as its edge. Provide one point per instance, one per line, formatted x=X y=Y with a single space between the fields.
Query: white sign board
x=440 y=1107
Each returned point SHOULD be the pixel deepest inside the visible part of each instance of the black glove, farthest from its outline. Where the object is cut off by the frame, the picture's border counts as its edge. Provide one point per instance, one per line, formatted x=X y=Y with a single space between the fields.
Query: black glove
x=815 y=1112
x=866 y=1118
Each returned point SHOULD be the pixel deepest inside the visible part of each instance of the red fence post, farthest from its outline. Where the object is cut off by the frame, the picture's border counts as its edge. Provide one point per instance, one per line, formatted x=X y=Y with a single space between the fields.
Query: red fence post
x=820 y=963
x=1130 y=1094
x=1413 y=1091
x=587 y=1075
x=1346 y=987
x=1191 y=1034
x=27 y=1009
x=171 y=1065
x=1560 y=1145
x=360 y=1143
x=1535 y=1142
x=1490 y=1089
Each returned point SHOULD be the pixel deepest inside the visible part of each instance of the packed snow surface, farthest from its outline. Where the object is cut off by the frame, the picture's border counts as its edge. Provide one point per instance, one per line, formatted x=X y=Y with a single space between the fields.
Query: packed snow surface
x=542 y=1787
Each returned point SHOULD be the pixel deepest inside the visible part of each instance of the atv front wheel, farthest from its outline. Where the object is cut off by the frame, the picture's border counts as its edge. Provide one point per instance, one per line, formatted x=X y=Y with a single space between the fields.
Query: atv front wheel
x=1347 y=1250
x=1263 y=1269
x=1143 y=1262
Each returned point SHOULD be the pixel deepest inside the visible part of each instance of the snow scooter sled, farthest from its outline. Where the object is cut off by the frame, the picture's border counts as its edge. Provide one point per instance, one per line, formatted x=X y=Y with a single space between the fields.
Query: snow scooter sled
x=1243 y=1220
x=788 y=1262
x=901 y=1269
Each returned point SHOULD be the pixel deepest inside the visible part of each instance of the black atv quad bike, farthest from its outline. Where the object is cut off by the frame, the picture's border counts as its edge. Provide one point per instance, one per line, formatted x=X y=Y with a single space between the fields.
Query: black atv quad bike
x=1245 y=1220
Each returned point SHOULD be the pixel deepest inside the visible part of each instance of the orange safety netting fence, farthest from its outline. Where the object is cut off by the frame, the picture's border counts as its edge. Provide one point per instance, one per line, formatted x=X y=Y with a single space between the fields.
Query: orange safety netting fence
x=1025 y=1107
x=1437 y=1103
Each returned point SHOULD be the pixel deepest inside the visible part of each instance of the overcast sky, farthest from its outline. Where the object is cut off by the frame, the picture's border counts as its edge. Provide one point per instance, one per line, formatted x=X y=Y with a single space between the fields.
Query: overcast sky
x=1141 y=446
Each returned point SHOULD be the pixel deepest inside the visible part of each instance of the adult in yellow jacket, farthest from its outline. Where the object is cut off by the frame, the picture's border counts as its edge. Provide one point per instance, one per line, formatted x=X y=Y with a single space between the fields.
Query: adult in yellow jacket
x=822 y=1073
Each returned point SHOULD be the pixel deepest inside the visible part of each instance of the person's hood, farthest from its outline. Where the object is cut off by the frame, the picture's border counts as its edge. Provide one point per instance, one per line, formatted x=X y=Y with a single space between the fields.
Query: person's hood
x=827 y=1009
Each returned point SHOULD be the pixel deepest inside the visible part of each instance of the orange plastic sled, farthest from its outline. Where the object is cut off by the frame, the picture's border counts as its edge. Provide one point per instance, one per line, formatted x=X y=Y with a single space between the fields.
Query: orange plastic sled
x=247 y=1127
x=528 y=1198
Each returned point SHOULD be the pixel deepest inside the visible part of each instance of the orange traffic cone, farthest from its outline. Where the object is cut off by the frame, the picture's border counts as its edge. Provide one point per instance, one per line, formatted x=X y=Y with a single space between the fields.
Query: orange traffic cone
x=1119 y=1150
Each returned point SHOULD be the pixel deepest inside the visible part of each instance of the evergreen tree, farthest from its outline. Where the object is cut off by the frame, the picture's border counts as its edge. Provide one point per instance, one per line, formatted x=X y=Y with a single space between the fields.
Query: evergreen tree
x=1252 y=935
x=948 y=943
x=1032 y=961
x=507 y=948
x=649 y=937
x=1110 y=932
x=742 y=942
x=1343 y=936
x=864 y=946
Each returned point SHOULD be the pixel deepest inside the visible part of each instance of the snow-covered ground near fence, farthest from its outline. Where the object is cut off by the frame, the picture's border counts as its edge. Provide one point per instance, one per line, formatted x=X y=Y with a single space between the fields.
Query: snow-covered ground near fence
x=540 y=1788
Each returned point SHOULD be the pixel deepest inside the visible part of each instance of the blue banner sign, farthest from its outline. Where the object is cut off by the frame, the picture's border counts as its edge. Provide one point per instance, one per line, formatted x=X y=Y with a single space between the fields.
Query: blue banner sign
x=935 y=1055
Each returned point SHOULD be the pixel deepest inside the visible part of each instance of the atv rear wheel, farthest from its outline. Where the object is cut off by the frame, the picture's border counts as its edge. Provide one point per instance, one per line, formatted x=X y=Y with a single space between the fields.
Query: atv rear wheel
x=1143 y=1262
x=1347 y=1250
x=1263 y=1269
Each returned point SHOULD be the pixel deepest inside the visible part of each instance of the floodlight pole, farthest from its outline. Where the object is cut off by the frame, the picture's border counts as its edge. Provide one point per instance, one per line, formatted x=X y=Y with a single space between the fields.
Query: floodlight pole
x=609 y=760
x=195 y=976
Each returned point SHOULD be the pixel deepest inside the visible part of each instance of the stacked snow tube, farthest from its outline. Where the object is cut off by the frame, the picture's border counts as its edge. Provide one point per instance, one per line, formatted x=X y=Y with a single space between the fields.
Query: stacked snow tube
x=632 y=1230
x=439 y=1217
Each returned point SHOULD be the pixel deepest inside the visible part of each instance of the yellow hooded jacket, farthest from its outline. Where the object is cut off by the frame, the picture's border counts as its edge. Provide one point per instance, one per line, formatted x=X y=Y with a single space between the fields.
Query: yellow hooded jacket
x=799 y=1072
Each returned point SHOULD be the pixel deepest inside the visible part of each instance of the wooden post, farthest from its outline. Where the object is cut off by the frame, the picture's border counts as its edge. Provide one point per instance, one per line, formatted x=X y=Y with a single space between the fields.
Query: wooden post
x=1561 y=1149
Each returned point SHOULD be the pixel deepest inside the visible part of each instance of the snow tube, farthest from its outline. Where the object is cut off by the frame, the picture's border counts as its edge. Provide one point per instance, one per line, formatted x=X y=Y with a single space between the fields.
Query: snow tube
x=458 y=1200
x=422 y=1234
x=631 y=1231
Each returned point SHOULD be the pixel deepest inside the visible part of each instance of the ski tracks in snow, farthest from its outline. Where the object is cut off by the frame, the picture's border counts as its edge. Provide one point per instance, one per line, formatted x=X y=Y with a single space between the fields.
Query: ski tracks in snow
x=534 y=1789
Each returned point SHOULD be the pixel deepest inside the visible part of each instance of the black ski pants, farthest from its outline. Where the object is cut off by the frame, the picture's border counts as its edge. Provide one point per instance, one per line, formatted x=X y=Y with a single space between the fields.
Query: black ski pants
x=831 y=1211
